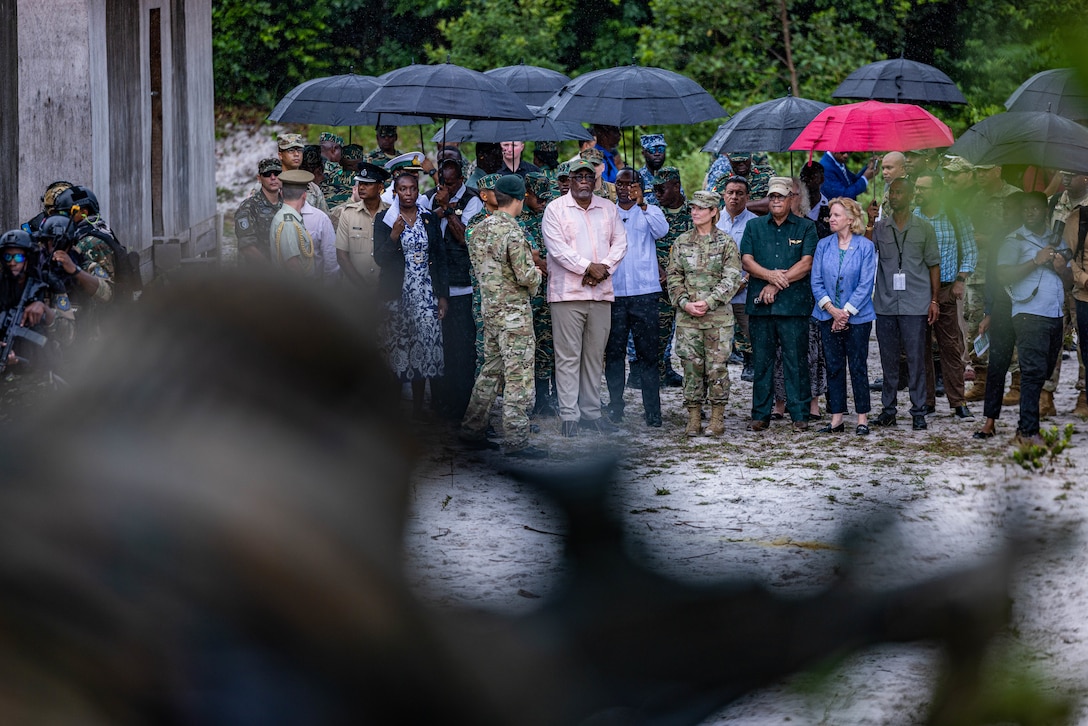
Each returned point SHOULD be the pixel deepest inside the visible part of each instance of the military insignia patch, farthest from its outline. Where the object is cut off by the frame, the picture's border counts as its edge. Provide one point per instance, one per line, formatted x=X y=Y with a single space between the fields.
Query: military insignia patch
x=62 y=303
x=243 y=223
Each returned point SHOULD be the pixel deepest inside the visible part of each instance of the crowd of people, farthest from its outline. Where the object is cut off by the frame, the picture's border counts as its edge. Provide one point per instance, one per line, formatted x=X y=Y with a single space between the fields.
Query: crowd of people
x=542 y=280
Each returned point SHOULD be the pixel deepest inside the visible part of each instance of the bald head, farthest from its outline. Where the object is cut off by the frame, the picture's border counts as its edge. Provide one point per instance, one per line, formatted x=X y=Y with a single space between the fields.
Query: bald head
x=893 y=166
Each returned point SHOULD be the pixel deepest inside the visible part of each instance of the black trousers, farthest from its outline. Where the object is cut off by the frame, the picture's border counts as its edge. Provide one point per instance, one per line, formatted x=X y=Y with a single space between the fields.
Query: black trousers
x=1038 y=344
x=452 y=391
x=1002 y=343
x=637 y=315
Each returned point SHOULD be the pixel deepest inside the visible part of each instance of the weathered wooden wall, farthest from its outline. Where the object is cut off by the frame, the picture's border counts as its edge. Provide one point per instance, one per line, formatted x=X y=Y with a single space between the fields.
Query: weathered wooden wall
x=9 y=99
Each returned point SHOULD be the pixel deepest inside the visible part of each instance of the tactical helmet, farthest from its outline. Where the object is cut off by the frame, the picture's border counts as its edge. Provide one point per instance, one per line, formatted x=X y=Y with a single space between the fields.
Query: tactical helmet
x=77 y=196
x=49 y=199
x=55 y=226
x=17 y=238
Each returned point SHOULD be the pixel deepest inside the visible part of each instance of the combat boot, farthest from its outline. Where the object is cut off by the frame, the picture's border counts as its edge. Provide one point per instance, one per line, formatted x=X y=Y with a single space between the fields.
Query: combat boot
x=544 y=405
x=695 y=421
x=977 y=390
x=747 y=373
x=1012 y=397
x=717 y=419
x=1082 y=406
x=1046 y=404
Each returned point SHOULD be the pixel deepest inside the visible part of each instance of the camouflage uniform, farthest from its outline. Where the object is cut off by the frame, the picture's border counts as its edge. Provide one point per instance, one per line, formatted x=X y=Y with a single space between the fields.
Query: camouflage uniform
x=704 y=268
x=541 y=186
x=477 y=314
x=987 y=214
x=97 y=260
x=759 y=179
x=379 y=157
x=252 y=222
x=507 y=279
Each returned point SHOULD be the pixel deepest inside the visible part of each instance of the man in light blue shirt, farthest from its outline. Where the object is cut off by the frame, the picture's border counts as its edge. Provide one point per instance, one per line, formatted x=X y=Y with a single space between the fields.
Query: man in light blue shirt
x=1036 y=275
x=735 y=217
x=637 y=284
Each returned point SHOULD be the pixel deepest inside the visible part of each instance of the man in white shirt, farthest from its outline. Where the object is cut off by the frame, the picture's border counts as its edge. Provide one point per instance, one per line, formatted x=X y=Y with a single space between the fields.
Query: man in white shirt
x=736 y=215
x=637 y=285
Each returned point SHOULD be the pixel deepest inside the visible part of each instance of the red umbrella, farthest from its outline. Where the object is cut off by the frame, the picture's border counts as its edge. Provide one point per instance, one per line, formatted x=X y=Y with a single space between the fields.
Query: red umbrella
x=873 y=126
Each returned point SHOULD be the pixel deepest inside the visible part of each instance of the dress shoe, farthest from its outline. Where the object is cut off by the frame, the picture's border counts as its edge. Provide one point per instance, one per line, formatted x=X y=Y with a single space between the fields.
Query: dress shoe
x=758 y=424
x=654 y=420
x=982 y=435
x=920 y=423
x=615 y=413
x=862 y=430
x=570 y=429
x=672 y=379
x=529 y=452
x=877 y=385
x=748 y=373
x=962 y=412
x=886 y=418
x=829 y=429
x=778 y=416
x=800 y=425
x=931 y=408
x=813 y=417
x=601 y=425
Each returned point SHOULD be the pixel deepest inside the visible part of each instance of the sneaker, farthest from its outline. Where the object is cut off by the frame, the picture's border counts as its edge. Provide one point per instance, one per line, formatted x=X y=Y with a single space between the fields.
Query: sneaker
x=529 y=452
x=920 y=423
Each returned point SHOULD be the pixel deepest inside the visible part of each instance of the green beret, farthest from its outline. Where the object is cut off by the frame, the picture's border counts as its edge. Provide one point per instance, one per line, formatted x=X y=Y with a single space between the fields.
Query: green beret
x=511 y=185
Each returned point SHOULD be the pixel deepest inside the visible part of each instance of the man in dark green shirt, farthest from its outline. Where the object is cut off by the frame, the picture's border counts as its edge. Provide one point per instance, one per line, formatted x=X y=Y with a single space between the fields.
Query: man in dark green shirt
x=776 y=252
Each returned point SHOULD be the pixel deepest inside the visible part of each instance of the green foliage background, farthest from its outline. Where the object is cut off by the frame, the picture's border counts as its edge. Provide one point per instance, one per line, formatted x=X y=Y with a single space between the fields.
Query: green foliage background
x=734 y=49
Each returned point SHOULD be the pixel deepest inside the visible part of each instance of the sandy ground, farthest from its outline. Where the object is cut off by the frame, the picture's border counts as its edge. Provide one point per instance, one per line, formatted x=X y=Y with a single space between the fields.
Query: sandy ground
x=769 y=507
x=772 y=507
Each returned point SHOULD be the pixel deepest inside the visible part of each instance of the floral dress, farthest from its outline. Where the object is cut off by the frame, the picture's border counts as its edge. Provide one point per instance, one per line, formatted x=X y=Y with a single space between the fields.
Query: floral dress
x=413 y=332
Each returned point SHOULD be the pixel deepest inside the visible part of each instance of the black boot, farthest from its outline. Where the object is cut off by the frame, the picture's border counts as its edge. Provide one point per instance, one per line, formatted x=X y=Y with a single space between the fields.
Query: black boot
x=747 y=373
x=544 y=404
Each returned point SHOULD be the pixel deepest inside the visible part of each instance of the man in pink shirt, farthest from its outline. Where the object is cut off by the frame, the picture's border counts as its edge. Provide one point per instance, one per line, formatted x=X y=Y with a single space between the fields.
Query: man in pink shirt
x=586 y=241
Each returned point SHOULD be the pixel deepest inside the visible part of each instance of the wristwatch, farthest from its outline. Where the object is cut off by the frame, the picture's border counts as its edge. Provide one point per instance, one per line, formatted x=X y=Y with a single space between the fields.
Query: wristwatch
x=962 y=277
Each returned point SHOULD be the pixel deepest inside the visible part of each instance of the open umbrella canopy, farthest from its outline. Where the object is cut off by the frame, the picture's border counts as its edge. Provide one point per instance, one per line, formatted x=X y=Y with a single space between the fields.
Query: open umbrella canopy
x=540 y=129
x=533 y=84
x=445 y=90
x=633 y=96
x=873 y=126
x=768 y=126
x=333 y=100
x=902 y=81
x=1057 y=90
x=1026 y=137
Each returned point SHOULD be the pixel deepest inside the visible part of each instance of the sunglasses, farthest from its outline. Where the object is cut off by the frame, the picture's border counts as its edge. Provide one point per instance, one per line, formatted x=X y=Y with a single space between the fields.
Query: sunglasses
x=14 y=257
x=267 y=174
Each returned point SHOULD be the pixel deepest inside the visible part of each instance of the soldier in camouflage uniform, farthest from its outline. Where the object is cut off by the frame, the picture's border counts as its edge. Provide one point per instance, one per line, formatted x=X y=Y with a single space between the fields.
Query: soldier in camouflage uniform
x=254 y=216
x=704 y=273
x=508 y=278
x=604 y=189
x=538 y=192
x=677 y=213
x=290 y=148
x=759 y=177
x=486 y=185
x=387 y=145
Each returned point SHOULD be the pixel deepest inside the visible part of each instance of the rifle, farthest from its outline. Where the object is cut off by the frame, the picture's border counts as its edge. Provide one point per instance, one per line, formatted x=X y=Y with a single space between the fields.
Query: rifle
x=11 y=324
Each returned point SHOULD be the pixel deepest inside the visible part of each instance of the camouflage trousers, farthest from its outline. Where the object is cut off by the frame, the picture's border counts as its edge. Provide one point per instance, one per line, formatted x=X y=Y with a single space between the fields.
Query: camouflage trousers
x=545 y=348
x=478 y=318
x=972 y=315
x=704 y=354
x=509 y=350
x=741 y=342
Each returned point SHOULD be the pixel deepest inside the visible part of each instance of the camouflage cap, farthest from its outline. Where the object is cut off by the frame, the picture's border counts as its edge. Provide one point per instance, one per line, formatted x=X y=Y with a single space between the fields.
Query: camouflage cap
x=296 y=177
x=724 y=181
x=706 y=200
x=957 y=165
x=537 y=183
x=546 y=146
x=740 y=156
x=488 y=181
x=666 y=174
x=353 y=152
x=593 y=156
x=562 y=170
x=329 y=136
x=290 y=141
x=553 y=192
x=385 y=130
x=651 y=140
x=267 y=165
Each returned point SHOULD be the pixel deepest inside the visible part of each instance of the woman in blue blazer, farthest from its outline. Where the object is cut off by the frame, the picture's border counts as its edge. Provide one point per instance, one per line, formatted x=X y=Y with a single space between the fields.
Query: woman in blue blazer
x=843 y=275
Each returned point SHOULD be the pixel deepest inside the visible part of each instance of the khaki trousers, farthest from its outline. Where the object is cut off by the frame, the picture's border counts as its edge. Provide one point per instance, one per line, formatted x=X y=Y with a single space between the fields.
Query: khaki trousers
x=580 y=332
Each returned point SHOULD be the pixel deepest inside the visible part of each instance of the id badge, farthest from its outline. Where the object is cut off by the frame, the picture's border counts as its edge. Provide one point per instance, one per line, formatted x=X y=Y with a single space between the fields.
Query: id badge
x=899 y=281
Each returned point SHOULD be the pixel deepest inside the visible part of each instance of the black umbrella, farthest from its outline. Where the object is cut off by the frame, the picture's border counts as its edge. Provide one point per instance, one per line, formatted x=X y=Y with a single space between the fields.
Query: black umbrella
x=769 y=126
x=533 y=84
x=1057 y=90
x=900 y=80
x=445 y=90
x=334 y=101
x=540 y=129
x=633 y=96
x=1026 y=137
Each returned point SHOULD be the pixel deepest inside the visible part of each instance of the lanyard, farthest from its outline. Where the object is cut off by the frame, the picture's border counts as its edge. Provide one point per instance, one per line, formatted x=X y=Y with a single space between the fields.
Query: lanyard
x=898 y=247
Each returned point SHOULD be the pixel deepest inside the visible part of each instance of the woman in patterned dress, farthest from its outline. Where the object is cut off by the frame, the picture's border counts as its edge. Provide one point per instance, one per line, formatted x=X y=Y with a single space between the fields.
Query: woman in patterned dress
x=414 y=285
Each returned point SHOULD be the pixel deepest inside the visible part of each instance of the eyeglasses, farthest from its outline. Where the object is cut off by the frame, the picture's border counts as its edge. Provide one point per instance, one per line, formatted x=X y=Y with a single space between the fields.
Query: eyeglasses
x=778 y=197
x=582 y=177
x=627 y=183
x=14 y=257
x=267 y=174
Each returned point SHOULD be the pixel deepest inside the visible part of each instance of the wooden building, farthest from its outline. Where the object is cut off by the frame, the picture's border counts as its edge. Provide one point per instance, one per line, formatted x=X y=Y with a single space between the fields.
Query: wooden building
x=116 y=95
